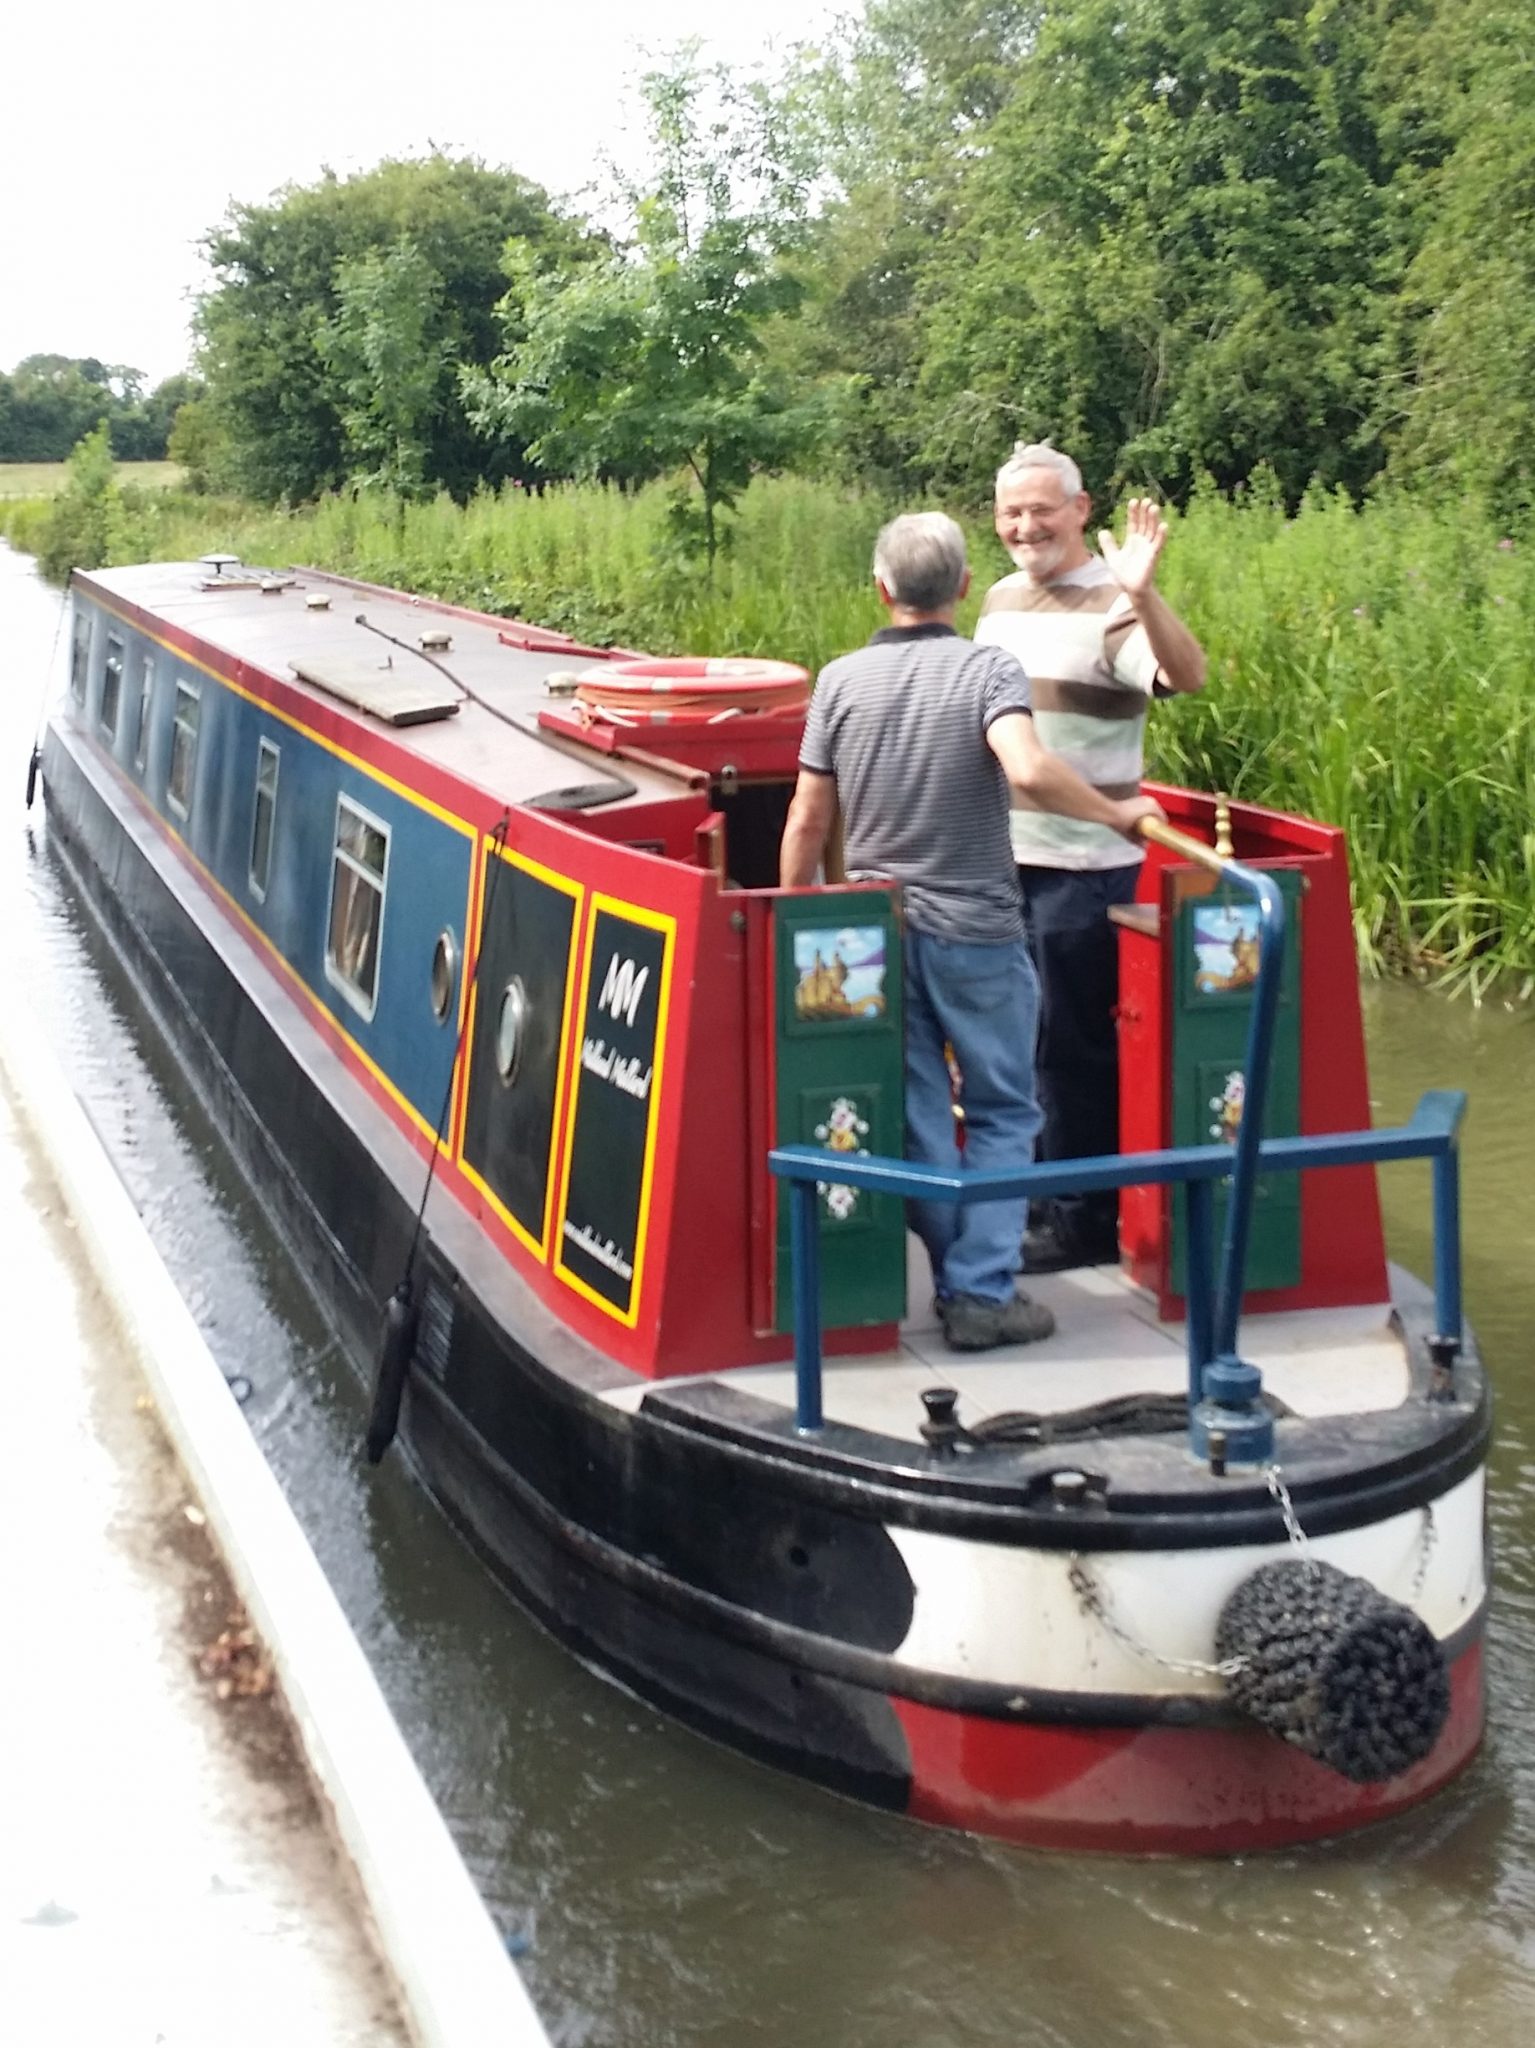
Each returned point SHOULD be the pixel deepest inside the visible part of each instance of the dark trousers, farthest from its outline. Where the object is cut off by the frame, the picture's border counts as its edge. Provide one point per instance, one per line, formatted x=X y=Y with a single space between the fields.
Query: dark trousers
x=1076 y=955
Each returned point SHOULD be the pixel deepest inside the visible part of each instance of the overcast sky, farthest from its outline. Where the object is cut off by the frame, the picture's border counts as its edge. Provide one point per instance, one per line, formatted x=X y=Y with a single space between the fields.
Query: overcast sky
x=126 y=130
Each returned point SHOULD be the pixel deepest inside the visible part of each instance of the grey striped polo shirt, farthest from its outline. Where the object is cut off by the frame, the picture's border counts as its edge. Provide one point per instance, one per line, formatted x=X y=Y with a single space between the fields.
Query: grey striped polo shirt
x=902 y=725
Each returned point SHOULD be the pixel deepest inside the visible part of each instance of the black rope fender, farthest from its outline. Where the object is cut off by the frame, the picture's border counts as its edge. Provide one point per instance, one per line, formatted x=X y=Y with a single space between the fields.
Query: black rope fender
x=1336 y=1667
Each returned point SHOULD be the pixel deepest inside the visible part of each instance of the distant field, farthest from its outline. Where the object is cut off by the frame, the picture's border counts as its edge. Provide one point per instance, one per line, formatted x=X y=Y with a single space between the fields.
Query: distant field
x=43 y=479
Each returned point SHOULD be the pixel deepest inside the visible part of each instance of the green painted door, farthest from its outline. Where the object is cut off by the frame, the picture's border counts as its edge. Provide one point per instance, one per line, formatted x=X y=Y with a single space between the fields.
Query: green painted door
x=1214 y=964
x=840 y=1085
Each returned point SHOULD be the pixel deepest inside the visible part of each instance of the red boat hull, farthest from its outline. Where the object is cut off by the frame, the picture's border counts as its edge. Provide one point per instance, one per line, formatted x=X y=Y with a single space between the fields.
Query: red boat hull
x=1158 y=1790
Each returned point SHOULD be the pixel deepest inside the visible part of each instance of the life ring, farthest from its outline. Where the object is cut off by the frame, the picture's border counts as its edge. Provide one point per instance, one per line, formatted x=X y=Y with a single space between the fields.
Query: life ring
x=701 y=686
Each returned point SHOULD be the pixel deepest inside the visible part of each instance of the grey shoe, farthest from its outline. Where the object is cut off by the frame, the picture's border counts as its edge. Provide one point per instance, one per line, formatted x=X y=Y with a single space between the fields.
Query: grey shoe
x=973 y=1324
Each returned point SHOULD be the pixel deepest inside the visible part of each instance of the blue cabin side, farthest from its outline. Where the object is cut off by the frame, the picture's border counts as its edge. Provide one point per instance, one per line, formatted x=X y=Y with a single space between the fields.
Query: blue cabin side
x=357 y=884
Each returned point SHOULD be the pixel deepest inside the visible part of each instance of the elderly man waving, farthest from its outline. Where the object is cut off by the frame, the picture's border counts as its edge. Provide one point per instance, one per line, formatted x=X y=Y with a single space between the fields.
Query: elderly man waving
x=918 y=737
x=1099 y=641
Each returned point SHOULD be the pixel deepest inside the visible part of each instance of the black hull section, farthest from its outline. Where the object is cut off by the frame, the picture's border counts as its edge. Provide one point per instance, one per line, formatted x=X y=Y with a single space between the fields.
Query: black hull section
x=585 y=1496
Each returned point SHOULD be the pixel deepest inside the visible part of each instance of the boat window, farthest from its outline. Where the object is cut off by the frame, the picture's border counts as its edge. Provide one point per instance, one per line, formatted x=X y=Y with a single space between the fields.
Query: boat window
x=80 y=656
x=358 y=876
x=111 y=687
x=265 y=818
x=141 y=730
x=178 y=784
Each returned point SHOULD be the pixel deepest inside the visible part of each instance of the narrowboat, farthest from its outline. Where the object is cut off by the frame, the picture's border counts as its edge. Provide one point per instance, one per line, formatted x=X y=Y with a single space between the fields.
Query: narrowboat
x=586 y=1137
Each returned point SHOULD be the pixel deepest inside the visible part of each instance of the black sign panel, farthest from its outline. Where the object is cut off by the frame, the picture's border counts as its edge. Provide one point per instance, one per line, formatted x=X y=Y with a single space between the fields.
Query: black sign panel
x=602 y=1229
x=525 y=938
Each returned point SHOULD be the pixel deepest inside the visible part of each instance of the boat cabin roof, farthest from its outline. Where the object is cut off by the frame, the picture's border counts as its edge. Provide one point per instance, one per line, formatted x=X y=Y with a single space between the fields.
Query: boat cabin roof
x=272 y=621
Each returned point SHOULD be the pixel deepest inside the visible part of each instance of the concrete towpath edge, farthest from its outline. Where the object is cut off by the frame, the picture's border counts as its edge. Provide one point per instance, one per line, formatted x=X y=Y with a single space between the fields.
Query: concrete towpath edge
x=458 y=1986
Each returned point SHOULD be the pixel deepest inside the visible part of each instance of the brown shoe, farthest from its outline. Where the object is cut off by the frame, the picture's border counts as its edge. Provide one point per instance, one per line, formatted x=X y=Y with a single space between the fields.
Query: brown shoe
x=973 y=1324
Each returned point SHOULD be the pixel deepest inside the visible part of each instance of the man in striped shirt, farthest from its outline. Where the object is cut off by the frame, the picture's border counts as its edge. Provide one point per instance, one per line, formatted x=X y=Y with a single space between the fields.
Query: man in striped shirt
x=917 y=737
x=1098 y=641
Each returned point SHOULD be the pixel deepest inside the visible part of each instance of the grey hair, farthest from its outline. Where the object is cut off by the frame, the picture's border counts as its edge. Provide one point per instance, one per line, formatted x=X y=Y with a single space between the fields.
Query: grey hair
x=1040 y=455
x=920 y=559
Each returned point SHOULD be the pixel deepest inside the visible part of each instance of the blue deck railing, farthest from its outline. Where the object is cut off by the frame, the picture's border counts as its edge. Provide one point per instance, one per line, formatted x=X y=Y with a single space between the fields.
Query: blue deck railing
x=1224 y=1392
x=1431 y=1133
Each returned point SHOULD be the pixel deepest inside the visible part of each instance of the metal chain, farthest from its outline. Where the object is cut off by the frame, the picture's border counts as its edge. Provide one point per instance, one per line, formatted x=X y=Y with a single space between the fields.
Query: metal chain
x=1094 y=1600
x=1299 y=1542
x=1095 y=1603
x=1292 y=1528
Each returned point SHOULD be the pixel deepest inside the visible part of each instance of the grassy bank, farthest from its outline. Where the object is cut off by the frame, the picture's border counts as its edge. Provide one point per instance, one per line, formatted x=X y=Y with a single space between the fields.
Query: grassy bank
x=46 y=479
x=1370 y=668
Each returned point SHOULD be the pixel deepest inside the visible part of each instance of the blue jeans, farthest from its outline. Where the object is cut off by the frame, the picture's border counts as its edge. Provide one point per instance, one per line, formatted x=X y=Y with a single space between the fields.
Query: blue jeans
x=984 y=1000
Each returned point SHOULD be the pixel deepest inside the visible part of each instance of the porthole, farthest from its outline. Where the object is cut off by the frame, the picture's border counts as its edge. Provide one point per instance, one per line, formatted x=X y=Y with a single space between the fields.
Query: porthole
x=444 y=973
x=511 y=1023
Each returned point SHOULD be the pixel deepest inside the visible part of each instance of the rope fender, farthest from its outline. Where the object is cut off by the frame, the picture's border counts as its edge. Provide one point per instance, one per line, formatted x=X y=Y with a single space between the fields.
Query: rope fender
x=1331 y=1664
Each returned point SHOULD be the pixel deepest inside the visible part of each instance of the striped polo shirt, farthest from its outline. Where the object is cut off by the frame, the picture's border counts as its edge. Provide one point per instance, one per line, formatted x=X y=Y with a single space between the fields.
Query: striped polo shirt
x=902 y=725
x=1091 y=674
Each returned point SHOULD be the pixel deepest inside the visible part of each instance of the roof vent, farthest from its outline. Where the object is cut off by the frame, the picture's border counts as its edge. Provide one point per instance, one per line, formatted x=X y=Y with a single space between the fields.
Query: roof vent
x=271 y=586
x=317 y=601
x=436 y=640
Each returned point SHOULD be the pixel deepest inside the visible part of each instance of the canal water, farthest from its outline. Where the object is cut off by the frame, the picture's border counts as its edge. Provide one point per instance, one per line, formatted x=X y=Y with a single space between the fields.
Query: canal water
x=666 y=1894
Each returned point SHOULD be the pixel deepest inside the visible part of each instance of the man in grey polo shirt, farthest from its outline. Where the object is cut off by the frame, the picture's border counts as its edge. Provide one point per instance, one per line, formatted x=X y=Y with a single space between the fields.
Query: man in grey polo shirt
x=917 y=737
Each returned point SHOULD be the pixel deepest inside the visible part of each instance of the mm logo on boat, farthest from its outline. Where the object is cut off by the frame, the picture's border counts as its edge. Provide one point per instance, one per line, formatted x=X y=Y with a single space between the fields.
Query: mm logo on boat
x=622 y=988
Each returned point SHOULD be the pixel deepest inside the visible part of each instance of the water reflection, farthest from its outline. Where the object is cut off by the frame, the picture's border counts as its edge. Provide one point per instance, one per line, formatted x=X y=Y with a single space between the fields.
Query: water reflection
x=673 y=1895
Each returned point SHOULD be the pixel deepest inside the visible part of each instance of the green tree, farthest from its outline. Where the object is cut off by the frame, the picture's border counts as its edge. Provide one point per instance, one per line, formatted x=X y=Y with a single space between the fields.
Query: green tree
x=893 y=110
x=386 y=354
x=1178 y=248
x=86 y=524
x=654 y=359
x=1469 y=400
x=278 y=405
x=196 y=443
x=50 y=401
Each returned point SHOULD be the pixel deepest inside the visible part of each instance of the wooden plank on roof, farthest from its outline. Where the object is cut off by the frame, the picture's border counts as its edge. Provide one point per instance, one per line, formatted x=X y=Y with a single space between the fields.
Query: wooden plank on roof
x=383 y=692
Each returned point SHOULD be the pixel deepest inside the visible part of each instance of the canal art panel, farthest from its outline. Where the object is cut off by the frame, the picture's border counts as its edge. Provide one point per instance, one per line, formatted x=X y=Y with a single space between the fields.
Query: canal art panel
x=600 y=1241
x=1225 y=941
x=839 y=974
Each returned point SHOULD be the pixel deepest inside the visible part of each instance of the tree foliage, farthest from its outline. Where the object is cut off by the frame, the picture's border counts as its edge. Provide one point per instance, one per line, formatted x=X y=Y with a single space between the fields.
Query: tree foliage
x=87 y=520
x=1229 y=239
x=1177 y=251
x=1469 y=410
x=316 y=283
x=656 y=358
x=48 y=402
x=387 y=356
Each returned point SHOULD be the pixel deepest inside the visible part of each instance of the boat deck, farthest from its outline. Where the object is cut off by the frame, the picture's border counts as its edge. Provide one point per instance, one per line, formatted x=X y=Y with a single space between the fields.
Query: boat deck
x=1108 y=1342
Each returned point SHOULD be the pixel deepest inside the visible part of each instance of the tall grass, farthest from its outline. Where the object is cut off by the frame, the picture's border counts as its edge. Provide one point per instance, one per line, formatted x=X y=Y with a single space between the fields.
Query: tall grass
x=1372 y=667
x=1375 y=669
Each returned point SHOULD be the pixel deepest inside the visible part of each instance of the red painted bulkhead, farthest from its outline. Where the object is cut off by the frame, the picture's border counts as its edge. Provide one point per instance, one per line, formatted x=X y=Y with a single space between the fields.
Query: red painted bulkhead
x=1342 y=1245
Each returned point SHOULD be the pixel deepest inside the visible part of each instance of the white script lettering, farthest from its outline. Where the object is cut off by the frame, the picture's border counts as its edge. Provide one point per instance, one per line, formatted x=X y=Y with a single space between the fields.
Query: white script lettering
x=622 y=988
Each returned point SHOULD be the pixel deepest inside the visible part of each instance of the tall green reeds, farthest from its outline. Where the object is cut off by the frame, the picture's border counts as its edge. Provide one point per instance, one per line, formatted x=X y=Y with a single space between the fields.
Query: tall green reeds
x=1374 y=668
